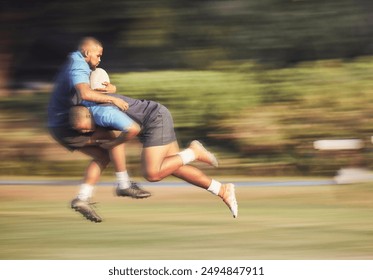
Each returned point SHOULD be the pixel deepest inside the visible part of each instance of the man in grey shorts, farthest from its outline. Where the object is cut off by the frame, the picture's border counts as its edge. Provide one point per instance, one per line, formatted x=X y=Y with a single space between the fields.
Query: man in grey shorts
x=161 y=156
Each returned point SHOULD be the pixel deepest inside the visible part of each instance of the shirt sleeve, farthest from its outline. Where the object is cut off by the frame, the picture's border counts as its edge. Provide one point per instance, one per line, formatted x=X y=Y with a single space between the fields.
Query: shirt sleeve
x=80 y=73
x=111 y=117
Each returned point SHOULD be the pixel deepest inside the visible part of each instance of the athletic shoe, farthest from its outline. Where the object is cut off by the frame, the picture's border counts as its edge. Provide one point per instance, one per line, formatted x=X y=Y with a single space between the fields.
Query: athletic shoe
x=202 y=154
x=133 y=191
x=227 y=193
x=84 y=208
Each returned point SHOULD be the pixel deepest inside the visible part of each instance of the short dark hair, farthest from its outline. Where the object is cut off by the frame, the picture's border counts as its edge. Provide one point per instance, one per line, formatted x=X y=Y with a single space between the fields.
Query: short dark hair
x=85 y=41
x=76 y=113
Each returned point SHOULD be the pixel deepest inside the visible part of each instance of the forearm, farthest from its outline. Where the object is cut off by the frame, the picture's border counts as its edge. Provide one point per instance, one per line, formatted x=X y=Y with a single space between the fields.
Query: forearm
x=88 y=94
x=109 y=144
x=122 y=137
x=97 y=97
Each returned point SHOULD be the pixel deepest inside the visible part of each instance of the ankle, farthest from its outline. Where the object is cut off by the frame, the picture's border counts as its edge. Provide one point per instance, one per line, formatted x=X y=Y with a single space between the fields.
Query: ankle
x=187 y=156
x=215 y=187
x=85 y=192
x=123 y=179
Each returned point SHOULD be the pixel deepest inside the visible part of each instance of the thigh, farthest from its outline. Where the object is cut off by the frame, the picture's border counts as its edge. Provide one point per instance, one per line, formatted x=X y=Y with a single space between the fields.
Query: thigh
x=102 y=133
x=98 y=154
x=160 y=131
x=69 y=138
x=73 y=140
x=153 y=157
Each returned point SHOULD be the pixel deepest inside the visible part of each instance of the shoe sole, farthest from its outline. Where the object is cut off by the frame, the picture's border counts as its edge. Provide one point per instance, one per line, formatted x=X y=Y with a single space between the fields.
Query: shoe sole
x=211 y=156
x=134 y=197
x=85 y=215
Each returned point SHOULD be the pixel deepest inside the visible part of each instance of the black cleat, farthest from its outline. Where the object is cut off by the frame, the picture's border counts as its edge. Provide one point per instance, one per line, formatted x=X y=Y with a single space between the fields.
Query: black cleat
x=133 y=191
x=84 y=208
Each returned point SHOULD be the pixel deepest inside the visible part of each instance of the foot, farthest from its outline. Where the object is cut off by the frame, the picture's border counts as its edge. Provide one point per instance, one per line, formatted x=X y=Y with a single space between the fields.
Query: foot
x=133 y=191
x=202 y=154
x=84 y=208
x=227 y=193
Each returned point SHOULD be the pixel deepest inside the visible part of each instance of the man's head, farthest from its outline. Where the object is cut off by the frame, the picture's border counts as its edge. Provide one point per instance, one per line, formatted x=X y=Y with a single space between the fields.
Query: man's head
x=92 y=50
x=81 y=119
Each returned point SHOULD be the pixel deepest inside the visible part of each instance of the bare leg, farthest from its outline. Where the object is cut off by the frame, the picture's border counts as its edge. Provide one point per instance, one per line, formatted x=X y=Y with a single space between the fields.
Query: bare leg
x=97 y=165
x=116 y=151
x=117 y=156
x=101 y=158
x=193 y=176
x=159 y=162
x=93 y=172
x=162 y=161
x=124 y=185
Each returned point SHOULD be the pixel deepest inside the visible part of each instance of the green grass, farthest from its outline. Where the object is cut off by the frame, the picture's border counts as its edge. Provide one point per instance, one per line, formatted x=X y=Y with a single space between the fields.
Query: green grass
x=326 y=222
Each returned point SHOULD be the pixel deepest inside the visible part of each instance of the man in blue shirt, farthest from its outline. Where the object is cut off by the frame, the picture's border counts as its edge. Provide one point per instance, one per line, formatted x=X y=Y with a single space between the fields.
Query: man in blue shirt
x=72 y=86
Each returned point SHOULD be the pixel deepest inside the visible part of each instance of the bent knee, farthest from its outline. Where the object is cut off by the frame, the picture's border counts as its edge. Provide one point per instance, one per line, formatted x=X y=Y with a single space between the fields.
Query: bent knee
x=102 y=162
x=152 y=177
x=133 y=130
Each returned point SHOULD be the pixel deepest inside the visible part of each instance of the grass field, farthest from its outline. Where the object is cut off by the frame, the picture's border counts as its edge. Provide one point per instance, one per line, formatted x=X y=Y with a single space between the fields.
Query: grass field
x=318 y=222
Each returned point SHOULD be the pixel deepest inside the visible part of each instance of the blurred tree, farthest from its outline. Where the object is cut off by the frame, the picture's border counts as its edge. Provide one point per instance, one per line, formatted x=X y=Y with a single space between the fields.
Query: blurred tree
x=9 y=17
x=144 y=34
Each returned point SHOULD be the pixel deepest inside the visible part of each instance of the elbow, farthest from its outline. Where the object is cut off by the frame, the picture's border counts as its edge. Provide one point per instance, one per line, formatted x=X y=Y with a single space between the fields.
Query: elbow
x=83 y=96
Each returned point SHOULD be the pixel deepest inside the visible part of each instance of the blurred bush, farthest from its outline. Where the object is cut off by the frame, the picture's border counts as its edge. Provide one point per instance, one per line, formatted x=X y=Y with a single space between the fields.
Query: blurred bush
x=259 y=120
x=258 y=80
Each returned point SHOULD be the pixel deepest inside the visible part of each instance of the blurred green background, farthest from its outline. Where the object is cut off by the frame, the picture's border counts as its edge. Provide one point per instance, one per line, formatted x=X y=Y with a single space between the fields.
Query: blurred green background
x=258 y=81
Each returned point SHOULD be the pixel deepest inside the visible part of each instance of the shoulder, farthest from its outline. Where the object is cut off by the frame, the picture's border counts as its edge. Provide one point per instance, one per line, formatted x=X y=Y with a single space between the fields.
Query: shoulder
x=79 y=70
x=76 y=56
x=77 y=61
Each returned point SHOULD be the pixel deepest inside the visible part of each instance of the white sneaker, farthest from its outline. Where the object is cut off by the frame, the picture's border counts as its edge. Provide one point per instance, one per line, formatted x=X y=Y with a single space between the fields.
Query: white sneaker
x=202 y=154
x=227 y=193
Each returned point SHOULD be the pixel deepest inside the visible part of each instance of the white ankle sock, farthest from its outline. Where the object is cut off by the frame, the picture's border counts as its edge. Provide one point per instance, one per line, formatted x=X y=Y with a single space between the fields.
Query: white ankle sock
x=85 y=192
x=187 y=156
x=123 y=179
x=214 y=187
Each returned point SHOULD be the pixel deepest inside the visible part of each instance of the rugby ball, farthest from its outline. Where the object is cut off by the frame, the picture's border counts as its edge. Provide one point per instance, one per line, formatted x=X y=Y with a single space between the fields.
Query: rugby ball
x=98 y=77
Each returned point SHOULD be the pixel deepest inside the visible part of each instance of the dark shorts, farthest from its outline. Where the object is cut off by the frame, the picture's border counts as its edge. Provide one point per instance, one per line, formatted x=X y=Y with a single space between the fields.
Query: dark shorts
x=69 y=138
x=160 y=131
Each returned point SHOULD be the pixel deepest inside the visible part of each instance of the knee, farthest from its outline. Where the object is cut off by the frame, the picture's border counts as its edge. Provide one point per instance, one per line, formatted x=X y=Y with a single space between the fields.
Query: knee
x=133 y=131
x=152 y=177
x=103 y=162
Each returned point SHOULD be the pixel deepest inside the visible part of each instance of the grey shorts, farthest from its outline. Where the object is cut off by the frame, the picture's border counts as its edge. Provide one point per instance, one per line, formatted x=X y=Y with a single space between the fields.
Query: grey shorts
x=159 y=131
x=69 y=138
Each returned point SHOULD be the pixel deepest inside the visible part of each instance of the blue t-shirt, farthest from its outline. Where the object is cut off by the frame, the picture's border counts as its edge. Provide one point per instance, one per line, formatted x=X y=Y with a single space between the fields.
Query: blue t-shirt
x=109 y=116
x=75 y=71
